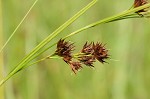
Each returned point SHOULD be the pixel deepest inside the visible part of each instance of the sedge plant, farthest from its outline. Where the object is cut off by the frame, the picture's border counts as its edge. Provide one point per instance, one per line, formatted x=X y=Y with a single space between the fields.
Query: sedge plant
x=138 y=10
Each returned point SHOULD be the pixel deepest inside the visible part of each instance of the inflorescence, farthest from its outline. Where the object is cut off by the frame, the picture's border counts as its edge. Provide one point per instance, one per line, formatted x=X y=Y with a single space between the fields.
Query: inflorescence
x=90 y=51
x=87 y=56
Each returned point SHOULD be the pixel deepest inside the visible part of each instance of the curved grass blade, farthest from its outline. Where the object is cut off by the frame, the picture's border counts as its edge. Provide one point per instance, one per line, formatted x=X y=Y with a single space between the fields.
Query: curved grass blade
x=109 y=19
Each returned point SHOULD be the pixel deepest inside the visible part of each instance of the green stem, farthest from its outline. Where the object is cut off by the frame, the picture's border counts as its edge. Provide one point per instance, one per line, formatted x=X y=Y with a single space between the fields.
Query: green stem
x=127 y=17
x=109 y=19
x=54 y=57
x=18 y=26
x=48 y=57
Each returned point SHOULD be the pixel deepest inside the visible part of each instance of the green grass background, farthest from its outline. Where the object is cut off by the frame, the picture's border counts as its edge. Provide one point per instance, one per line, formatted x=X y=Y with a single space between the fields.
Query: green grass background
x=127 y=76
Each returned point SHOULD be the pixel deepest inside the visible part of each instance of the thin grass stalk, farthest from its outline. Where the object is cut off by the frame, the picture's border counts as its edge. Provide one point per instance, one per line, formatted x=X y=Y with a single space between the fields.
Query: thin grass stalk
x=26 y=59
x=48 y=57
x=13 y=33
x=1 y=54
x=109 y=19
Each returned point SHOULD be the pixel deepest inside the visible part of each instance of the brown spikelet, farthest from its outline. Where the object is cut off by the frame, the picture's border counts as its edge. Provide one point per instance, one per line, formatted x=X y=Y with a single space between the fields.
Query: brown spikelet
x=75 y=66
x=87 y=58
x=100 y=52
x=138 y=3
x=87 y=48
x=64 y=49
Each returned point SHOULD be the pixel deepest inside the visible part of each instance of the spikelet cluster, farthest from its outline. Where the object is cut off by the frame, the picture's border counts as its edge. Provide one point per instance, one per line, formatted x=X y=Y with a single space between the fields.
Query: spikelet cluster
x=87 y=56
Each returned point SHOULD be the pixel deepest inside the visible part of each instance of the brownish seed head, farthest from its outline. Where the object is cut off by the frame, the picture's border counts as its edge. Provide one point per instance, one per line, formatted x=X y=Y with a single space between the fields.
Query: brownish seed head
x=64 y=49
x=75 y=66
x=87 y=58
x=87 y=48
x=100 y=52
x=90 y=52
x=138 y=3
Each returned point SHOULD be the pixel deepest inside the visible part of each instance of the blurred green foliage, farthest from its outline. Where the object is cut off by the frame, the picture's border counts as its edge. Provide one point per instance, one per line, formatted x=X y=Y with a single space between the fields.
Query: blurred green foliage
x=127 y=76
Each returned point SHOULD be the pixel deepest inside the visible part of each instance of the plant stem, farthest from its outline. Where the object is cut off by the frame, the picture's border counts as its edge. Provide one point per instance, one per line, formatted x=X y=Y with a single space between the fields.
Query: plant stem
x=18 y=26
x=48 y=57
x=109 y=19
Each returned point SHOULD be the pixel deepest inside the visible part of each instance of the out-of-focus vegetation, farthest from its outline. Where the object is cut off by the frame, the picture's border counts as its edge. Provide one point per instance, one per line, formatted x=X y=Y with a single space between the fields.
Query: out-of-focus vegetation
x=127 y=76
